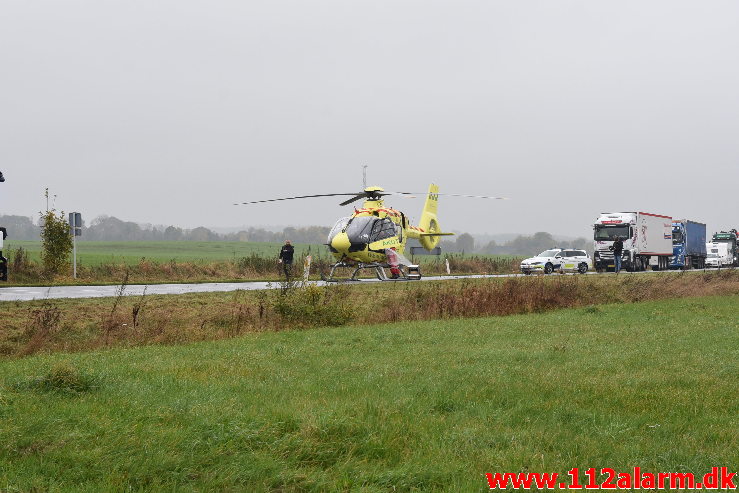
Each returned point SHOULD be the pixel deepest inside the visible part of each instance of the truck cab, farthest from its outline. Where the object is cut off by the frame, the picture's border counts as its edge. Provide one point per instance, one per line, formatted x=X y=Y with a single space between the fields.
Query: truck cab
x=606 y=229
x=729 y=238
x=647 y=240
x=718 y=255
x=688 y=245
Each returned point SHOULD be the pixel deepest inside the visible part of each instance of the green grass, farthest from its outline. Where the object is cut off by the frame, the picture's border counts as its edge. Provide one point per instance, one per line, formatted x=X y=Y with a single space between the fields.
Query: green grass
x=424 y=406
x=187 y=261
x=131 y=252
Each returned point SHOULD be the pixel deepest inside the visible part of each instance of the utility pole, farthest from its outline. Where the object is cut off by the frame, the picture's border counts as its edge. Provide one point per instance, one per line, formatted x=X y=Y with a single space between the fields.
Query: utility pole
x=364 y=176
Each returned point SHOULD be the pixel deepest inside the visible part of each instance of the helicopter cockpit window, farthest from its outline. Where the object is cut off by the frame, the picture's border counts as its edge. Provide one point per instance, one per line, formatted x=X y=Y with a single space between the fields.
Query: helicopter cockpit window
x=382 y=229
x=338 y=227
x=359 y=229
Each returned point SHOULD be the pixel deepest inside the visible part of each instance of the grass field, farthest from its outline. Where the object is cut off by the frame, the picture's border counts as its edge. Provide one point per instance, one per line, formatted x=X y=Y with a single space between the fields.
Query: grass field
x=131 y=252
x=187 y=261
x=414 y=406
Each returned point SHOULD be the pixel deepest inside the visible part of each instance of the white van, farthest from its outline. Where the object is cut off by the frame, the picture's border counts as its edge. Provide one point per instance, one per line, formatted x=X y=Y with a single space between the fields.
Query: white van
x=718 y=255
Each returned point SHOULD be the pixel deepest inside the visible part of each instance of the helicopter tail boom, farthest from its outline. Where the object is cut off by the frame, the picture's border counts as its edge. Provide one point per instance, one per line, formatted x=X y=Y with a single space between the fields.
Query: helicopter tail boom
x=430 y=231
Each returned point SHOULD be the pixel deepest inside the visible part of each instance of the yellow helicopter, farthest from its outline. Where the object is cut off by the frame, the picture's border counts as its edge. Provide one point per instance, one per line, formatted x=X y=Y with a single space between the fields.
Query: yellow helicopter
x=375 y=236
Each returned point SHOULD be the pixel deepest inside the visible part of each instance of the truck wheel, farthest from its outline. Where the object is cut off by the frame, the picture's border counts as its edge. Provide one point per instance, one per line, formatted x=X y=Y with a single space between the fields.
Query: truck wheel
x=548 y=269
x=582 y=268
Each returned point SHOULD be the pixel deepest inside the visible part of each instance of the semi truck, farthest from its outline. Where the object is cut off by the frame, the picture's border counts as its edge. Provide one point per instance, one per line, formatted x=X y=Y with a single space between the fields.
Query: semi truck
x=730 y=238
x=688 y=245
x=647 y=240
x=718 y=255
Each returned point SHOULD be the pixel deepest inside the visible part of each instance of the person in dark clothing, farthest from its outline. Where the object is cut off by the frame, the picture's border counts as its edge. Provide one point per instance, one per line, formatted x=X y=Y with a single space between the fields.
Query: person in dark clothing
x=618 y=248
x=3 y=260
x=286 y=258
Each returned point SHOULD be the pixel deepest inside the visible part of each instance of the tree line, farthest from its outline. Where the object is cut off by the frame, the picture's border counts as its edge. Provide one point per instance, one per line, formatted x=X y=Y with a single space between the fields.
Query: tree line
x=520 y=245
x=109 y=228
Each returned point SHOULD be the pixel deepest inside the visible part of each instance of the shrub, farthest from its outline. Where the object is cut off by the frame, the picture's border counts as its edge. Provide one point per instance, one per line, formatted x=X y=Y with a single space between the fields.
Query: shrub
x=302 y=305
x=56 y=242
x=43 y=321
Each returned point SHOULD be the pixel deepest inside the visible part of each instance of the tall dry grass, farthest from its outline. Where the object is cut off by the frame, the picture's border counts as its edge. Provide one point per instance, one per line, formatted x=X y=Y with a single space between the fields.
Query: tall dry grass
x=75 y=325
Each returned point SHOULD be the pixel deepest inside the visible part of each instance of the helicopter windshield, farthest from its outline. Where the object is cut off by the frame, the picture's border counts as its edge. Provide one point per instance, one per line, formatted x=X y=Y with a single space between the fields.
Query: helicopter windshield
x=360 y=228
x=338 y=227
x=367 y=229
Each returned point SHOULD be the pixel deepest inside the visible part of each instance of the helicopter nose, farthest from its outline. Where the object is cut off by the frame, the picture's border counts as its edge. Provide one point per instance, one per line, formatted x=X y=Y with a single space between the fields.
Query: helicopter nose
x=341 y=243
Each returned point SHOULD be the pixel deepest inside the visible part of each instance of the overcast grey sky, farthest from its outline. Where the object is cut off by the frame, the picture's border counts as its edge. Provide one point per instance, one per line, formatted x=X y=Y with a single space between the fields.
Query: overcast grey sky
x=169 y=111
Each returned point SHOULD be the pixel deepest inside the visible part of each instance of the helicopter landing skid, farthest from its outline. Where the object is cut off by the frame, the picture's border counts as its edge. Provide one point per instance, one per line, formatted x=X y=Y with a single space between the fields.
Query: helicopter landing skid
x=331 y=278
x=412 y=274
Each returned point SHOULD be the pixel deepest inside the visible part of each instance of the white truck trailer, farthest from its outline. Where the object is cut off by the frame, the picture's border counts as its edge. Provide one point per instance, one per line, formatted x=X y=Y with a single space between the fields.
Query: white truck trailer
x=647 y=240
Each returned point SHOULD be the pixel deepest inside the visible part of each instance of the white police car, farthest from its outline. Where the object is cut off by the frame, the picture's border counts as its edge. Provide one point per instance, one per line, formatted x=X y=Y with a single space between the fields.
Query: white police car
x=562 y=260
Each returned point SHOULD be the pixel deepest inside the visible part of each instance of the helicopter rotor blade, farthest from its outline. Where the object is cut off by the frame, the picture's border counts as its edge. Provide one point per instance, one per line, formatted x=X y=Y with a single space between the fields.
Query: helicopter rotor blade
x=298 y=197
x=353 y=199
x=450 y=195
x=365 y=195
x=373 y=195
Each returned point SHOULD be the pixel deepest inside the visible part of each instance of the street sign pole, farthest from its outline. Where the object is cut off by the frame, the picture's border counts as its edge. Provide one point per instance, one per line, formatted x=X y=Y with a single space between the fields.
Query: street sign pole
x=75 y=229
x=74 y=257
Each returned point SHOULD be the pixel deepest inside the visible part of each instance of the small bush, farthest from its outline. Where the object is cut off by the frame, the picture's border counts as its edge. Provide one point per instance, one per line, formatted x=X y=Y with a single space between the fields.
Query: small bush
x=312 y=306
x=20 y=260
x=44 y=320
